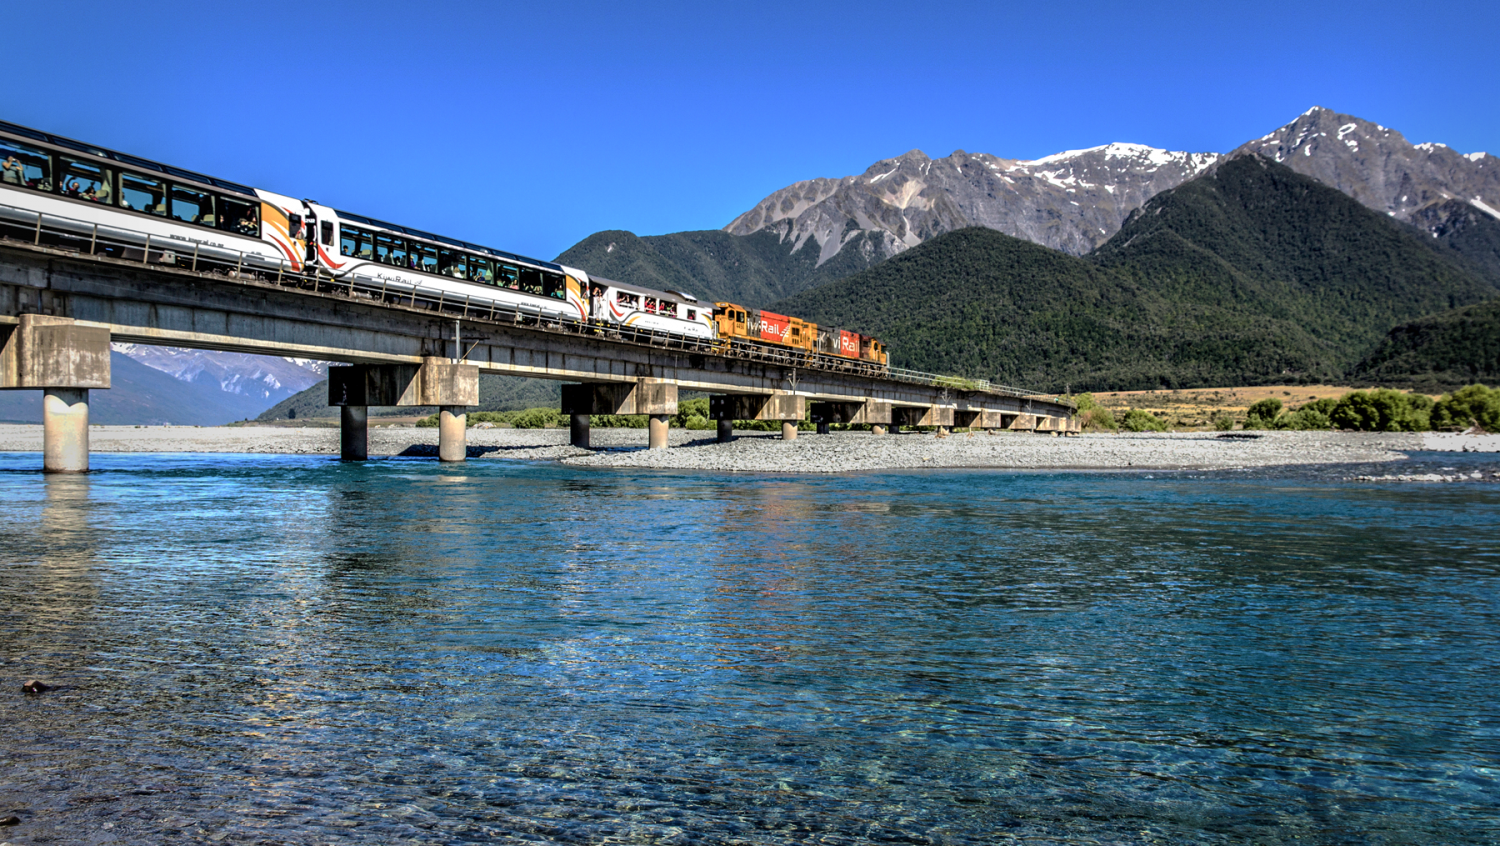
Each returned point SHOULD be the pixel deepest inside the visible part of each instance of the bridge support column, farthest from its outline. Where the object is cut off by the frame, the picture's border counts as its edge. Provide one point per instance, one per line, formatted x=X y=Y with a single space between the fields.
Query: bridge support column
x=354 y=433
x=877 y=429
x=578 y=431
x=790 y=409
x=65 y=430
x=656 y=398
x=65 y=361
x=726 y=430
x=435 y=382
x=825 y=428
x=657 y=428
x=453 y=433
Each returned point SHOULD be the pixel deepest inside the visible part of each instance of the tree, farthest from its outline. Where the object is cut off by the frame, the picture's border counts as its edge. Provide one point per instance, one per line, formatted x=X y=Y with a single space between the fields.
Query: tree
x=1469 y=406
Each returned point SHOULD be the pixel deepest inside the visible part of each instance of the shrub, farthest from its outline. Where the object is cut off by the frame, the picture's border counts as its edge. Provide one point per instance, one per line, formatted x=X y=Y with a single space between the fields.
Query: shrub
x=1382 y=410
x=1098 y=417
x=1306 y=418
x=429 y=422
x=538 y=418
x=1263 y=414
x=1136 y=420
x=1470 y=406
x=1223 y=422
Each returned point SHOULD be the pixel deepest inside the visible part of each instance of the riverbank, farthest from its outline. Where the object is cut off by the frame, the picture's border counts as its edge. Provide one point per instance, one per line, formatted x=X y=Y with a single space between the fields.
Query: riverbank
x=810 y=453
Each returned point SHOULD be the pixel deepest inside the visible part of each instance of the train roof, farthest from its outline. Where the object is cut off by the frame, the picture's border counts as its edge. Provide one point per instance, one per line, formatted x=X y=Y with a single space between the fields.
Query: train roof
x=133 y=161
x=452 y=242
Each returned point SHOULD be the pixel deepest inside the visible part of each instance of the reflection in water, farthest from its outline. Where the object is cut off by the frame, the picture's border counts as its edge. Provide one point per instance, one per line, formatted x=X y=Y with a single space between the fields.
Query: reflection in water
x=298 y=650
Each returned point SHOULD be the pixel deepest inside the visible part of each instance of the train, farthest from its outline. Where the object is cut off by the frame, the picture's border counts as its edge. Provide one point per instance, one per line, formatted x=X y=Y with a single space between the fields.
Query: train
x=142 y=207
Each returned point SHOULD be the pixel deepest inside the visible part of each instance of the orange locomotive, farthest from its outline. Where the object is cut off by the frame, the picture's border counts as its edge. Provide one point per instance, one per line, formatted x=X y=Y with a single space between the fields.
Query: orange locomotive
x=736 y=323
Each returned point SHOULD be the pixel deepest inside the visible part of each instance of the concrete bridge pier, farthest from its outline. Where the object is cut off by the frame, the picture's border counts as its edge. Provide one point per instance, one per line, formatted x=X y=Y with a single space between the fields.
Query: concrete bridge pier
x=65 y=430
x=435 y=382
x=65 y=361
x=578 y=430
x=354 y=433
x=877 y=429
x=656 y=431
x=453 y=433
x=790 y=409
x=656 y=398
x=726 y=431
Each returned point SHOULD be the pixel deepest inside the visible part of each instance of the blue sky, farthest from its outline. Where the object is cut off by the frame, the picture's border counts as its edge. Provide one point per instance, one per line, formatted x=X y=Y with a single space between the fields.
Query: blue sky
x=527 y=126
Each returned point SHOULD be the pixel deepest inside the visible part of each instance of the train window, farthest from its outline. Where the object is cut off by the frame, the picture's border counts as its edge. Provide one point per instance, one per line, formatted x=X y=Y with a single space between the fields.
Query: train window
x=25 y=166
x=234 y=215
x=554 y=285
x=326 y=231
x=692 y=314
x=192 y=206
x=85 y=180
x=481 y=270
x=143 y=194
x=355 y=242
x=739 y=317
x=651 y=305
x=451 y=263
x=508 y=276
x=390 y=250
x=627 y=300
x=531 y=280
x=423 y=257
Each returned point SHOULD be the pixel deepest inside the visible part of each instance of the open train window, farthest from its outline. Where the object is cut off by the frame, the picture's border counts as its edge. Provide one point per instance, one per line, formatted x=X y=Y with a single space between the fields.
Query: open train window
x=451 y=263
x=692 y=314
x=191 y=206
x=554 y=286
x=234 y=215
x=627 y=300
x=143 y=194
x=25 y=166
x=85 y=180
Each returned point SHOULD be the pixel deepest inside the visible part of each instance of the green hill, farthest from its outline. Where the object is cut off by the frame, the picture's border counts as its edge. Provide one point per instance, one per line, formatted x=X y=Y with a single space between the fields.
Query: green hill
x=712 y=265
x=1439 y=352
x=1249 y=274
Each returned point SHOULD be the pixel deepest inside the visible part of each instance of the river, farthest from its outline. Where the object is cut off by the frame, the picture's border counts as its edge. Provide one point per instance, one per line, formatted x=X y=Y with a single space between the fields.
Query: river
x=291 y=650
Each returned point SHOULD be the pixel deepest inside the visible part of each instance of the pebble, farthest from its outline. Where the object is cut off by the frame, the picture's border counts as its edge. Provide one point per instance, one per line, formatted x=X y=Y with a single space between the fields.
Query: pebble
x=34 y=686
x=765 y=452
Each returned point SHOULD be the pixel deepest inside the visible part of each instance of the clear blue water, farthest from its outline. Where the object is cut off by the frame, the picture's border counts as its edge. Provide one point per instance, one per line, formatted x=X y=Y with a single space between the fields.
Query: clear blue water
x=293 y=650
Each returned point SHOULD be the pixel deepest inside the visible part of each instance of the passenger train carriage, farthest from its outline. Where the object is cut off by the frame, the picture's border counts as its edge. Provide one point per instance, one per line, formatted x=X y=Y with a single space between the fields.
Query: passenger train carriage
x=142 y=210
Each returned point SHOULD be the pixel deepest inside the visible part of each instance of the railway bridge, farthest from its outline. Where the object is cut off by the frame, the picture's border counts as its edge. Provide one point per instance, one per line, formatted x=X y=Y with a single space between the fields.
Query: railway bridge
x=62 y=301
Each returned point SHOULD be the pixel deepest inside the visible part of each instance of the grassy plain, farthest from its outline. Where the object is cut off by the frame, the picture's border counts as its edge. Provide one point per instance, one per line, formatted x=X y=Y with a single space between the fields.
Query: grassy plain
x=1194 y=408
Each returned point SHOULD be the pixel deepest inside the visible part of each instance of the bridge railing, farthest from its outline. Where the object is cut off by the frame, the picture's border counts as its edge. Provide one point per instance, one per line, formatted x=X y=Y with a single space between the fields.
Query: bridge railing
x=28 y=226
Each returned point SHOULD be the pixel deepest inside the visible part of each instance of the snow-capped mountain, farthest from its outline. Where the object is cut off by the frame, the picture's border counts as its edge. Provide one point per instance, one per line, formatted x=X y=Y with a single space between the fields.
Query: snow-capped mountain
x=1071 y=201
x=1378 y=166
x=260 y=377
x=1075 y=200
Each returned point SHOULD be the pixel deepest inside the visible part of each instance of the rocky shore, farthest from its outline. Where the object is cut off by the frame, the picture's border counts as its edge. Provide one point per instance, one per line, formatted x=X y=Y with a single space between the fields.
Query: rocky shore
x=761 y=452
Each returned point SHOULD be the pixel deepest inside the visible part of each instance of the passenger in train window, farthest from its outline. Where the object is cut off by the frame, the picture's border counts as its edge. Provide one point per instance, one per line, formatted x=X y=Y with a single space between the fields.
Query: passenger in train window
x=13 y=172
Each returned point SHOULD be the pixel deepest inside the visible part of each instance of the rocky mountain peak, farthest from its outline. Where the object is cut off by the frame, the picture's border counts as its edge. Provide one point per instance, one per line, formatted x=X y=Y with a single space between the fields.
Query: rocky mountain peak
x=1377 y=166
x=1071 y=201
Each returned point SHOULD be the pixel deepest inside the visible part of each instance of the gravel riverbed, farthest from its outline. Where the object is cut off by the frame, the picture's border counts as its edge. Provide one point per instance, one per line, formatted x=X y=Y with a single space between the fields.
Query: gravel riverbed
x=763 y=452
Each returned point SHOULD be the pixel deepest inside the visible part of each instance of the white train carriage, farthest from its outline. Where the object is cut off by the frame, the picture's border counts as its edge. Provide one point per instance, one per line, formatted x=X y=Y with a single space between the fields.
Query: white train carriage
x=670 y=312
x=134 y=208
x=399 y=258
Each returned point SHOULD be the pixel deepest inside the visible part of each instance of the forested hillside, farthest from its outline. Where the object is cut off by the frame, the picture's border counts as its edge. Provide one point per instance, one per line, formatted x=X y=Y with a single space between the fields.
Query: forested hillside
x=713 y=265
x=1248 y=275
x=1439 y=352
